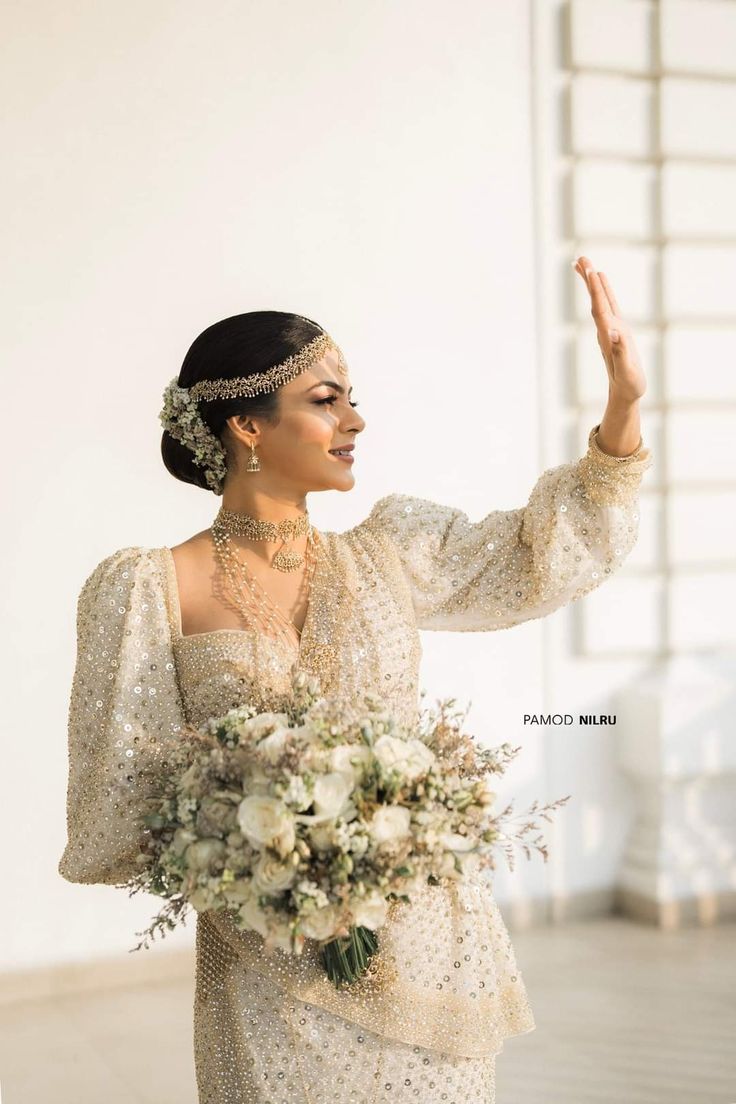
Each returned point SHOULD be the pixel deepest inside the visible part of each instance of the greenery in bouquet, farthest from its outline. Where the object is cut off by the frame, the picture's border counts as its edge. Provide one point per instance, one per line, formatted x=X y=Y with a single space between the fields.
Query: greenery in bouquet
x=308 y=823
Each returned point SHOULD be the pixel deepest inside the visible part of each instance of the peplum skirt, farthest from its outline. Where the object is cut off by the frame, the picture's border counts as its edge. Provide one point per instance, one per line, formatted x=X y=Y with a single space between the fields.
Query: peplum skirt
x=255 y=1043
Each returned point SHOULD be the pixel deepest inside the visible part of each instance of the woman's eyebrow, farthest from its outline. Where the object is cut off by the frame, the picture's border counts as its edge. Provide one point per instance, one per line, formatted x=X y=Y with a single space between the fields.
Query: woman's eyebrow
x=330 y=383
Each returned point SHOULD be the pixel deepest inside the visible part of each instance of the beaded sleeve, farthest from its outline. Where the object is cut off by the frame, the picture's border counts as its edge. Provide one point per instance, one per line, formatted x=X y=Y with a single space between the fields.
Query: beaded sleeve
x=124 y=712
x=578 y=527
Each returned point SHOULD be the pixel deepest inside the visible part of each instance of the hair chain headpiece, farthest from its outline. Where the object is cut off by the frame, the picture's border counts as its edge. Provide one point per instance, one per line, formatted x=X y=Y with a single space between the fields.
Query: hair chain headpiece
x=272 y=378
x=181 y=418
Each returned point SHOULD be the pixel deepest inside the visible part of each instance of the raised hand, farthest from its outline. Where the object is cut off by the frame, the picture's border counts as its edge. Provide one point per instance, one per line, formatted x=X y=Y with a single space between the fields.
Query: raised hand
x=626 y=378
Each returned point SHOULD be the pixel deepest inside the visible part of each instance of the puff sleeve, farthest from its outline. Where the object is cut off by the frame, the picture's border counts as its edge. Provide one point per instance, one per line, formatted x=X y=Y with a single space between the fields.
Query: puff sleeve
x=577 y=528
x=124 y=713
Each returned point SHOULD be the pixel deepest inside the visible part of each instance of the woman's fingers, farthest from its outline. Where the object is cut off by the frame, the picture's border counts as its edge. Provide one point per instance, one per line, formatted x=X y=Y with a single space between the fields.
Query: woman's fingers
x=603 y=301
x=599 y=299
x=609 y=294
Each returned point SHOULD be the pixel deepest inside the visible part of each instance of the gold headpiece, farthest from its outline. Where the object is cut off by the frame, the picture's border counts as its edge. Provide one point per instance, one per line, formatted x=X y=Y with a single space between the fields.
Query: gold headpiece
x=180 y=413
x=272 y=378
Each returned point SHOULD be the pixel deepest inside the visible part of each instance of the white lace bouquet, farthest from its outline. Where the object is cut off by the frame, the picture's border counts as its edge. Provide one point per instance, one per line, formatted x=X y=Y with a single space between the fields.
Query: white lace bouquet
x=308 y=823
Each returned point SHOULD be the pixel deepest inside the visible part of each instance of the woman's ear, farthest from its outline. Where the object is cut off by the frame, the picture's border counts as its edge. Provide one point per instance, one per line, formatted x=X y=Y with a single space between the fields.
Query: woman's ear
x=242 y=428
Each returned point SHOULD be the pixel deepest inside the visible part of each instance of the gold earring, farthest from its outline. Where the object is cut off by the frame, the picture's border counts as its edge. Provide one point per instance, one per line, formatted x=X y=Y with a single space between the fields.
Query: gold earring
x=253 y=464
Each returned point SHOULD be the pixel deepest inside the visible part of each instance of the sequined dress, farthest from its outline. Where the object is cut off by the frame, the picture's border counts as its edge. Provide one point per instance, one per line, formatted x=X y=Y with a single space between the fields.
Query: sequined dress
x=428 y=1023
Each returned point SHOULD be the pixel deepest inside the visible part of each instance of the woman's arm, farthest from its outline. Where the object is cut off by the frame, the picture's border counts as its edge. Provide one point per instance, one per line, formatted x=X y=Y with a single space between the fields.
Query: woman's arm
x=124 y=713
x=579 y=524
x=577 y=528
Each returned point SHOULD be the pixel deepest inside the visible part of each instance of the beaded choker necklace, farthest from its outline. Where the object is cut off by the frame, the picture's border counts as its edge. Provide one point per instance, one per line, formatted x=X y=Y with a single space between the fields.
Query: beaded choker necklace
x=231 y=523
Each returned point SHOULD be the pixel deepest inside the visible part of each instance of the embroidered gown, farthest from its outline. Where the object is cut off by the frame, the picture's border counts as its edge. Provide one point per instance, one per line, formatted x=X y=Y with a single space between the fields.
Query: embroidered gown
x=428 y=1022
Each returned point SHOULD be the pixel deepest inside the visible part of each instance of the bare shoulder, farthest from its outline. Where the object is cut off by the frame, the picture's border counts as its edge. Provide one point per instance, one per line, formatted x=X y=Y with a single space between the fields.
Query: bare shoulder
x=193 y=554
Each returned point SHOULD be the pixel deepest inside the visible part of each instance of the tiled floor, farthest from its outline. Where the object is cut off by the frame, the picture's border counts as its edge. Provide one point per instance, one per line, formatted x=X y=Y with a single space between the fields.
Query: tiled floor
x=625 y=1014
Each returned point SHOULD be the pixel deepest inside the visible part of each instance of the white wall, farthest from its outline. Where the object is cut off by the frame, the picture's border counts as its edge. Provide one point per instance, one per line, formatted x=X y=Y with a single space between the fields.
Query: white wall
x=169 y=165
x=403 y=174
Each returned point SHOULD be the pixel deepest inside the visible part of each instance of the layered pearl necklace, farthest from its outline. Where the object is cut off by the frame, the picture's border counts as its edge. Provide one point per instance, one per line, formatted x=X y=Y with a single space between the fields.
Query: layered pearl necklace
x=250 y=596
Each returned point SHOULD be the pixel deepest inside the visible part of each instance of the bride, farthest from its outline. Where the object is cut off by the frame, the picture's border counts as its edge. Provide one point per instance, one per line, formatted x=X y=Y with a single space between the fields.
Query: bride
x=262 y=413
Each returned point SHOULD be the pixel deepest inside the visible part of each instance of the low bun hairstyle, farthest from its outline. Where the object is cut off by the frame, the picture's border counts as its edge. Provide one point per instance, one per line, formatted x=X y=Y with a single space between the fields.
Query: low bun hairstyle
x=238 y=346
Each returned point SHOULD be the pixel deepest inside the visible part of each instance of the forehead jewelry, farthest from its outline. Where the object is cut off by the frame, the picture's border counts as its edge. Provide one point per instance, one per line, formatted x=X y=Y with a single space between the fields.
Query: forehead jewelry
x=181 y=417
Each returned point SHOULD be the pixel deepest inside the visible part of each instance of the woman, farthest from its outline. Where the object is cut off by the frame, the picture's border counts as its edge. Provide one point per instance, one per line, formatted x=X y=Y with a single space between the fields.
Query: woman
x=262 y=412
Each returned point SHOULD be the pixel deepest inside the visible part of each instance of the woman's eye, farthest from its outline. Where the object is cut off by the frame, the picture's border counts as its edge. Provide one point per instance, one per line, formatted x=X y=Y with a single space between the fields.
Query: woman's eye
x=331 y=399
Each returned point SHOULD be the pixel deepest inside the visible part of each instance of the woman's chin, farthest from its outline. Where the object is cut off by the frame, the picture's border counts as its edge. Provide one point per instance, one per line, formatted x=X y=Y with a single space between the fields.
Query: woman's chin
x=342 y=481
x=333 y=481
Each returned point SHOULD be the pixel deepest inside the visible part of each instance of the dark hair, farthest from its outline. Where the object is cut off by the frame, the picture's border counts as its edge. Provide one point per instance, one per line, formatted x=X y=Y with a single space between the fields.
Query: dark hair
x=236 y=346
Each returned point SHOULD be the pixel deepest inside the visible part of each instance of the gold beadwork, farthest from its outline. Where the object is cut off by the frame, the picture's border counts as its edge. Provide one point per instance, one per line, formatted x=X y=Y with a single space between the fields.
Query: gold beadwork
x=274 y=377
x=609 y=479
x=410 y=564
x=245 y=525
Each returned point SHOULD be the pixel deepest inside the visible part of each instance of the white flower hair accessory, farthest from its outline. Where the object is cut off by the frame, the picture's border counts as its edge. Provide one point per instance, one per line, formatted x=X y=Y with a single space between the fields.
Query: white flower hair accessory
x=181 y=418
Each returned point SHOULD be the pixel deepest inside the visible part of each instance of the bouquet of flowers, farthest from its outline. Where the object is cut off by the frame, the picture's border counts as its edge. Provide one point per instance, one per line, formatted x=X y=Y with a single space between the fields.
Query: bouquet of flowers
x=308 y=823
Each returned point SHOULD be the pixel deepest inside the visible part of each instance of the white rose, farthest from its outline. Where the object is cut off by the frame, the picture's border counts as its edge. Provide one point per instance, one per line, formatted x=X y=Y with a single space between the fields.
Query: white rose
x=254 y=916
x=370 y=911
x=255 y=728
x=182 y=839
x=390 y=752
x=273 y=745
x=351 y=760
x=411 y=758
x=238 y=891
x=266 y=822
x=453 y=841
x=331 y=792
x=306 y=733
x=420 y=758
x=272 y=876
x=255 y=779
x=203 y=853
x=390 y=823
x=320 y=924
x=321 y=837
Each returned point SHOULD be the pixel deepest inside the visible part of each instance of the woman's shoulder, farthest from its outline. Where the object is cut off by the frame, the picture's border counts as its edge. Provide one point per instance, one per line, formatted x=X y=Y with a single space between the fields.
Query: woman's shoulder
x=119 y=569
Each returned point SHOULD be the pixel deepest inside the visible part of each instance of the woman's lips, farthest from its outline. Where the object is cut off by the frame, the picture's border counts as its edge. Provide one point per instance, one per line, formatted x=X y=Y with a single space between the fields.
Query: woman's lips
x=346 y=457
